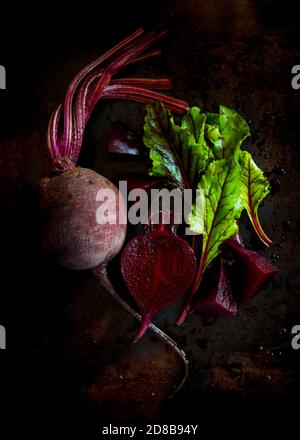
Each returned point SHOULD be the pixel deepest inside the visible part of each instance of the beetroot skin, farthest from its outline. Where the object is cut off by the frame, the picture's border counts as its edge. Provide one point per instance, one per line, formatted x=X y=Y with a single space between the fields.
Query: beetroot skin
x=157 y=267
x=69 y=229
x=219 y=301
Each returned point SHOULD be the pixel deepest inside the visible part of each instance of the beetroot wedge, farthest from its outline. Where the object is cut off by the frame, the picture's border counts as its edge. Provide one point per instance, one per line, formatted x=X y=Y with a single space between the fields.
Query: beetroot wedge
x=219 y=301
x=139 y=181
x=251 y=269
x=157 y=267
x=121 y=140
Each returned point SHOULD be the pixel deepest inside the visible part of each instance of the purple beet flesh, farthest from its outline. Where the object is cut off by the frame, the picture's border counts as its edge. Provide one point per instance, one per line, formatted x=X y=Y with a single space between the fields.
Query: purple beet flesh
x=157 y=267
x=219 y=300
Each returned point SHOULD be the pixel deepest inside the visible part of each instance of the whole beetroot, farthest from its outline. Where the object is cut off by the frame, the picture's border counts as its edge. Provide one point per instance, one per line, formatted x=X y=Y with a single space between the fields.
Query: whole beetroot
x=70 y=228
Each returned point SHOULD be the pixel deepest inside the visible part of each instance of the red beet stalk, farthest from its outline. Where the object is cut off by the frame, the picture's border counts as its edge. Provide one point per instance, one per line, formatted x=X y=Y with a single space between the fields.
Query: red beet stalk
x=73 y=234
x=101 y=274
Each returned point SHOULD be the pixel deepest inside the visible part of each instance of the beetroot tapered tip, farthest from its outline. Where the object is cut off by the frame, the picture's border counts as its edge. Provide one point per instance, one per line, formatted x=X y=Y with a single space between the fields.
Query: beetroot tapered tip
x=143 y=328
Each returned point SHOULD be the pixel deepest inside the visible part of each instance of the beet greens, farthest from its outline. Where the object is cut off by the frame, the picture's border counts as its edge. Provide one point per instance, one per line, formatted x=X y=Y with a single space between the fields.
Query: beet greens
x=204 y=153
x=71 y=230
x=121 y=140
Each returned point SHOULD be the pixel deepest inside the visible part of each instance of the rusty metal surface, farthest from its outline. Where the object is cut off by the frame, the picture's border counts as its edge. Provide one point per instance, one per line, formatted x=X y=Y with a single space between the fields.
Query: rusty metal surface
x=72 y=341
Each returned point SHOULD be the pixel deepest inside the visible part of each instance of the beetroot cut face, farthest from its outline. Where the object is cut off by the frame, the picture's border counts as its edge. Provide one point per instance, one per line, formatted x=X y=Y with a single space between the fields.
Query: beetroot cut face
x=157 y=267
x=253 y=270
x=219 y=301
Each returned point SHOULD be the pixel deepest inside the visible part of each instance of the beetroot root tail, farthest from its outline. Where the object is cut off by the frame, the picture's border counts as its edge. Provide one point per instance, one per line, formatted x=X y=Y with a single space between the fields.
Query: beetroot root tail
x=101 y=273
x=143 y=328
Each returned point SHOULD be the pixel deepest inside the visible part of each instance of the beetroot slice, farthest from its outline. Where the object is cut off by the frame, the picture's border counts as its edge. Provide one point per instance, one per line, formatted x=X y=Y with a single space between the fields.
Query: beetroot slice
x=122 y=140
x=252 y=270
x=219 y=301
x=157 y=267
x=139 y=181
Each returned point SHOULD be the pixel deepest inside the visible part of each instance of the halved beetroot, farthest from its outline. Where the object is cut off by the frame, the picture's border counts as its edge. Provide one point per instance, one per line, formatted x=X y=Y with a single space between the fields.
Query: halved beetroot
x=219 y=300
x=157 y=267
x=250 y=270
x=122 y=140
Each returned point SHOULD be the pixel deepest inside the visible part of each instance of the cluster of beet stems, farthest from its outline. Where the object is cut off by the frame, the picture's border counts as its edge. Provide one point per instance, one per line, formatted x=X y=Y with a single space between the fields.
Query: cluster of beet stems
x=94 y=82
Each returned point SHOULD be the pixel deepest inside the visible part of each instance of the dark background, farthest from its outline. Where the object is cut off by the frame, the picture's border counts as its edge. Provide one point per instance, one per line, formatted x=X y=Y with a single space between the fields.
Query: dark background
x=67 y=342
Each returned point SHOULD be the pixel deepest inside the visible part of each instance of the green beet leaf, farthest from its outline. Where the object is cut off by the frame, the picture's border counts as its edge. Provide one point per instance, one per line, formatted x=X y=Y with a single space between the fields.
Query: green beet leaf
x=226 y=131
x=196 y=154
x=255 y=187
x=221 y=187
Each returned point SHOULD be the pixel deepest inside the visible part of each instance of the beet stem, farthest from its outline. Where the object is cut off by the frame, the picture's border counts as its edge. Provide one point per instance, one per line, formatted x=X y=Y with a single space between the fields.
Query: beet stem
x=260 y=232
x=86 y=91
x=142 y=99
x=148 y=96
x=183 y=315
x=88 y=96
x=101 y=273
x=147 y=83
x=254 y=218
x=123 y=59
x=52 y=134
